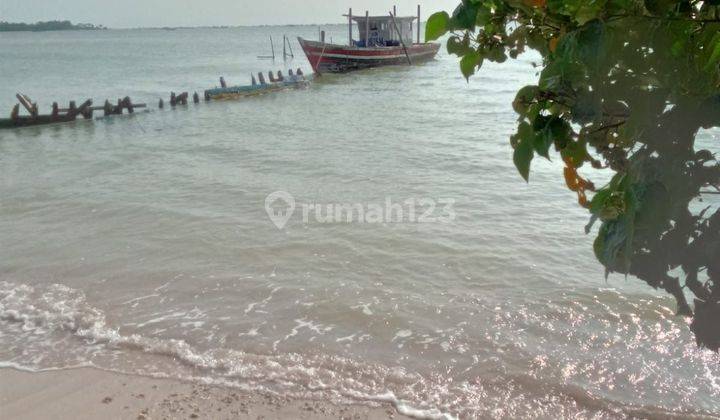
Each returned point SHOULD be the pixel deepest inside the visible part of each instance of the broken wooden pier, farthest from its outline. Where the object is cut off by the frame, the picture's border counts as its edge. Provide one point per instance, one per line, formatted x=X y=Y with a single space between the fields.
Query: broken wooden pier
x=61 y=115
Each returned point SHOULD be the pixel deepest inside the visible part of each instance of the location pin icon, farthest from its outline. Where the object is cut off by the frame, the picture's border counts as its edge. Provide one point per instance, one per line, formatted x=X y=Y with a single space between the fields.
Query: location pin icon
x=280 y=207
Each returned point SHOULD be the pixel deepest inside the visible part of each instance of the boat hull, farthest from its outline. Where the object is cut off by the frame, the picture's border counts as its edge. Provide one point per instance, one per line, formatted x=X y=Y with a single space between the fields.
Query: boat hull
x=334 y=58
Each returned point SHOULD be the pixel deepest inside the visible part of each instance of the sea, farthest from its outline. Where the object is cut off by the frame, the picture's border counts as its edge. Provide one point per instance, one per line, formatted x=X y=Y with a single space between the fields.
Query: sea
x=363 y=240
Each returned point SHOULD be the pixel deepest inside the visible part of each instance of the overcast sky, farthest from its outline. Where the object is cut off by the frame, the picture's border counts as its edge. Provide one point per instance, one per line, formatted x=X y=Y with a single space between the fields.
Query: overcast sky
x=142 y=13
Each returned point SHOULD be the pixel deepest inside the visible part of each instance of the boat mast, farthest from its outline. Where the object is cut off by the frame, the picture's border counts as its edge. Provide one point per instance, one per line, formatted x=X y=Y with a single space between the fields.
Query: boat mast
x=418 y=25
x=350 y=27
x=367 y=28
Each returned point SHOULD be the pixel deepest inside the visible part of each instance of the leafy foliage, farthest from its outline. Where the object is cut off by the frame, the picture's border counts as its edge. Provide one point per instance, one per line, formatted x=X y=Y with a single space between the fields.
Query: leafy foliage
x=625 y=86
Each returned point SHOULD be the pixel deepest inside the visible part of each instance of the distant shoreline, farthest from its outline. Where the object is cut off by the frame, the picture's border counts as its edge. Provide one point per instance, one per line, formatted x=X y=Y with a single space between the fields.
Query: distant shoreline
x=30 y=27
x=54 y=25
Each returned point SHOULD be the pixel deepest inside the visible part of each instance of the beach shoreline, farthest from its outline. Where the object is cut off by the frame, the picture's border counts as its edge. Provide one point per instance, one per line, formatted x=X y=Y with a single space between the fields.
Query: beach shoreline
x=88 y=393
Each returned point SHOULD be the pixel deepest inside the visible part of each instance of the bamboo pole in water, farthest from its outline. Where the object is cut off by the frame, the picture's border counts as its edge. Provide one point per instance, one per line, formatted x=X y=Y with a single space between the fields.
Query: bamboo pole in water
x=401 y=40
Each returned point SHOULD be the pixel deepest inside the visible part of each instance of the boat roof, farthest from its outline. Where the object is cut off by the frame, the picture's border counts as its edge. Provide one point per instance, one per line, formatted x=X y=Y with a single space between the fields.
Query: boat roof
x=381 y=18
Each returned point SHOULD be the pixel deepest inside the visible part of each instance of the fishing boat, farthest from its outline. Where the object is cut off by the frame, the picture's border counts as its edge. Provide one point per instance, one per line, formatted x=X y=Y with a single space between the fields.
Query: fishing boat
x=260 y=85
x=383 y=41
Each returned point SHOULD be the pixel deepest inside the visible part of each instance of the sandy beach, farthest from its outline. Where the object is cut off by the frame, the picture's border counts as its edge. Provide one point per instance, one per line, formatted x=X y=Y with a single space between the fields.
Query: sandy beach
x=96 y=394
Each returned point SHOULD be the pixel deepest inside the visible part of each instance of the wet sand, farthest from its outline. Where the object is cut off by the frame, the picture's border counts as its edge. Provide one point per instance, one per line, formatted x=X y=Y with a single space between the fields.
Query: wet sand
x=96 y=394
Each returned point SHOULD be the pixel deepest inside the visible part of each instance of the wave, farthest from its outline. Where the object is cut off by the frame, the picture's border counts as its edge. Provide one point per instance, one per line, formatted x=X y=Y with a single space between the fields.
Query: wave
x=42 y=311
x=60 y=308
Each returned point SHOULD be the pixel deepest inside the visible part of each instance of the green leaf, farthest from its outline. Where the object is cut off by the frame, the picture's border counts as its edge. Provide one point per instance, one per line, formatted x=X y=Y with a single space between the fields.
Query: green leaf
x=715 y=56
x=484 y=15
x=524 y=153
x=465 y=16
x=524 y=98
x=458 y=46
x=469 y=62
x=437 y=26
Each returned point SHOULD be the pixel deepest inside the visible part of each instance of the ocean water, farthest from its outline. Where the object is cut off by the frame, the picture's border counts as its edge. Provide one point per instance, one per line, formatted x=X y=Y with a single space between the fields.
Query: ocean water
x=142 y=243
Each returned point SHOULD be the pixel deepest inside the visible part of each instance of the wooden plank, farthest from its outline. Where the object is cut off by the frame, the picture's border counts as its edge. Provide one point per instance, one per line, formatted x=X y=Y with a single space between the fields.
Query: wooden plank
x=27 y=104
x=102 y=108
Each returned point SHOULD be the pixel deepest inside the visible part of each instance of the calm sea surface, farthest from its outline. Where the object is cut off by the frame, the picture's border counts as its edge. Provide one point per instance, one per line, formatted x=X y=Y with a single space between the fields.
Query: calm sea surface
x=142 y=244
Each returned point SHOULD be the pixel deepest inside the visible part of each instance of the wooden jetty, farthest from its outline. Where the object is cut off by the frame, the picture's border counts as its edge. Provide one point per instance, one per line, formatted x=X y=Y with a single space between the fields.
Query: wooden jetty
x=61 y=115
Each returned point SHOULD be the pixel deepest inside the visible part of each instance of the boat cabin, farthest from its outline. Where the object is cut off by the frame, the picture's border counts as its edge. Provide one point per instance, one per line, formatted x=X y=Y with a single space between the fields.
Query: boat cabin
x=379 y=31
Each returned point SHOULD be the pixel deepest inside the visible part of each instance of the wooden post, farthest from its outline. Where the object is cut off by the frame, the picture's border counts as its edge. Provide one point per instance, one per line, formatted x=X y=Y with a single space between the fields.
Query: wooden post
x=74 y=111
x=87 y=113
x=394 y=10
x=272 y=47
x=129 y=104
x=367 y=28
x=418 y=25
x=55 y=110
x=284 y=49
x=322 y=36
x=173 y=99
x=222 y=82
x=161 y=104
x=15 y=112
x=322 y=54
x=292 y=54
x=107 y=109
x=350 y=27
x=401 y=40
x=261 y=78
x=196 y=98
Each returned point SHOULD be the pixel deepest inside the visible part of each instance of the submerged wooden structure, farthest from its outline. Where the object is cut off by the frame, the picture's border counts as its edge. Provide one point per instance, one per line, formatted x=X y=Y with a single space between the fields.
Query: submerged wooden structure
x=61 y=115
x=275 y=82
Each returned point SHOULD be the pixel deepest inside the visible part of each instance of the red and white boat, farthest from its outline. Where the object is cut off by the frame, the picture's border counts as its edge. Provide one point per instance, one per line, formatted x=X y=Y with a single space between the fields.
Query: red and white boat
x=384 y=41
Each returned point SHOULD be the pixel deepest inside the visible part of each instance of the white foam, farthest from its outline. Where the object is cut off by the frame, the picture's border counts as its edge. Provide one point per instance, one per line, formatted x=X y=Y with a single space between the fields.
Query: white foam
x=58 y=308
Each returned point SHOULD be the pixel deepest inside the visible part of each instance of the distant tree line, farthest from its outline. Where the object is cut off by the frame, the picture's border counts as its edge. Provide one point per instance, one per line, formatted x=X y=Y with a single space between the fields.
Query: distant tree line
x=54 y=25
